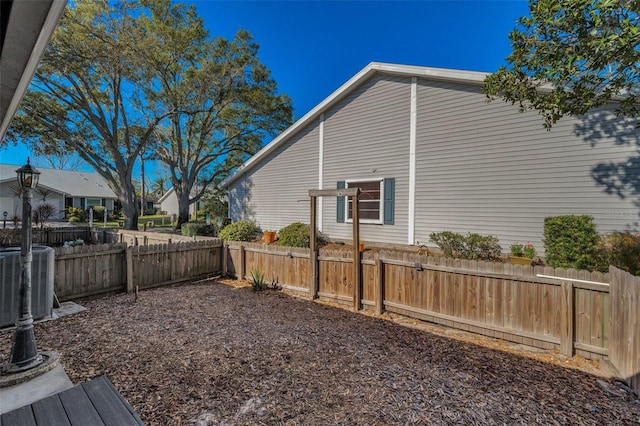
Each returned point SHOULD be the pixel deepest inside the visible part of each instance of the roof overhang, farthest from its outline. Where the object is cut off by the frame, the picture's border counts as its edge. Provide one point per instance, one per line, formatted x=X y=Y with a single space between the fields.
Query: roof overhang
x=468 y=77
x=27 y=27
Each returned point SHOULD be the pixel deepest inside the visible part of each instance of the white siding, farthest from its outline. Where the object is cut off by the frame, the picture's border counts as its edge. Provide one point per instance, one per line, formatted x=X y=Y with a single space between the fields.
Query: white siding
x=275 y=193
x=488 y=168
x=366 y=136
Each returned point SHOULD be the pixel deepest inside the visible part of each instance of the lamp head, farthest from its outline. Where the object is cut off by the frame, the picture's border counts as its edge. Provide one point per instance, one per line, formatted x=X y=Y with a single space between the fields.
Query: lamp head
x=28 y=176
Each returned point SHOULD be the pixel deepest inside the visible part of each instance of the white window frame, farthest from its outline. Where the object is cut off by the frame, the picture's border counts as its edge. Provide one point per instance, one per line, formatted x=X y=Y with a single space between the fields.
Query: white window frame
x=86 y=202
x=380 y=220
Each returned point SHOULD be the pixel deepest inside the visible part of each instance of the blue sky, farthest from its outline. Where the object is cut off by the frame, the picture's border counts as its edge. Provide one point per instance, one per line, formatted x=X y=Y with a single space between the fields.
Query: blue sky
x=313 y=47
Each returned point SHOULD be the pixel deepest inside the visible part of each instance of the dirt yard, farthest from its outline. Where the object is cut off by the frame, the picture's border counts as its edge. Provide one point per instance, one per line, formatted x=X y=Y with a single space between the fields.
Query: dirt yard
x=214 y=354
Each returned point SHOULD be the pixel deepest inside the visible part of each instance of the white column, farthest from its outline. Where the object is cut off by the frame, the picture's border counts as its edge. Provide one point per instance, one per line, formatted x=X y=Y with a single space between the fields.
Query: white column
x=412 y=161
x=319 y=217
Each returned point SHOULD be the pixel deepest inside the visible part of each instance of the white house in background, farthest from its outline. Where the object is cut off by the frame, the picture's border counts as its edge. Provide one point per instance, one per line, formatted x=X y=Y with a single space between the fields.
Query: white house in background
x=60 y=188
x=430 y=154
x=169 y=203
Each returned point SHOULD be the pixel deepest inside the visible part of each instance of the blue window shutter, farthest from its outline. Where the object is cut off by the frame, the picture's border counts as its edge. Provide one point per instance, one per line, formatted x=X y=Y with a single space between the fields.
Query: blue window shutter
x=389 y=200
x=340 y=209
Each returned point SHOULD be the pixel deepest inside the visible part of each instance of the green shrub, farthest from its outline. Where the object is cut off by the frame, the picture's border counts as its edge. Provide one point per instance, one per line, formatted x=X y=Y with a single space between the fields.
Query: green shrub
x=451 y=243
x=239 y=231
x=190 y=229
x=570 y=242
x=471 y=246
x=620 y=249
x=98 y=212
x=297 y=235
x=258 y=282
x=150 y=212
x=78 y=213
x=74 y=219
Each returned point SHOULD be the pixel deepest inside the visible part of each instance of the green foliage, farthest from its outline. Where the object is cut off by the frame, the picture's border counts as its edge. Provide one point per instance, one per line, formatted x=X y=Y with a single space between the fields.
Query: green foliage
x=522 y=250
x=150 y=212
x=98 y=212
x=215 y=204
x=297 y=235
x=472 y=246
x=258 y=282
x=587 y=51
x=570 y=241
x=620 y=249
x=76 y=214
x=190 y=229
x=451 y=243
x=240 y=231
x=42 y=213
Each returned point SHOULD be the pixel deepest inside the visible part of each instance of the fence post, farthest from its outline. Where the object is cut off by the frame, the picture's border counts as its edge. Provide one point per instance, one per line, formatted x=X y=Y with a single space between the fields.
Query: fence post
x=566 y=319
x=379 y=274
x=225 y=259
x=130 y=285
x=241 y=272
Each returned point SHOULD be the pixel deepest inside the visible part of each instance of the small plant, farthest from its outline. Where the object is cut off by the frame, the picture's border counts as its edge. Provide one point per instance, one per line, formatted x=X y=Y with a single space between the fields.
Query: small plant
x=258 y=282
x=471 y=247
x=522 y=250
x=98 y=212
x=78 y=242
x=239 y=231
x=190 y=229
x=42 y=213
x=76 y=212
x=297 y=235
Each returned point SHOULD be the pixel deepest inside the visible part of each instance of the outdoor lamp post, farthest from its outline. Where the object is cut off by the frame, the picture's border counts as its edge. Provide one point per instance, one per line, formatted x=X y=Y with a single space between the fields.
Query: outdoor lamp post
x=4 y=219
x=24 y=353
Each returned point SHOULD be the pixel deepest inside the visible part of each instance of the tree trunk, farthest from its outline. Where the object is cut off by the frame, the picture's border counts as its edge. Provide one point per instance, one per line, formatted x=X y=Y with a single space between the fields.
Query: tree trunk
x=183 y=208
x=129 y=206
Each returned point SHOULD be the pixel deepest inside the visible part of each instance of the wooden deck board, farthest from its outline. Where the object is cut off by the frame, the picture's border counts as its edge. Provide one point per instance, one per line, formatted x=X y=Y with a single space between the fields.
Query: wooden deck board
x=50 y=411
x=95 y=403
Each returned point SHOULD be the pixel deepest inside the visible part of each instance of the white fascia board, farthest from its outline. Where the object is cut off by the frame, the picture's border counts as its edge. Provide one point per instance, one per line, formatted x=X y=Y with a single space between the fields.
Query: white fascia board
x=472 y=77
x=51 y=23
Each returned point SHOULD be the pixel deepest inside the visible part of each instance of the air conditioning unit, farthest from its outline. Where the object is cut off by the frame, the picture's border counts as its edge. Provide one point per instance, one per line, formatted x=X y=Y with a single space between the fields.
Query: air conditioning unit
x=41 y=284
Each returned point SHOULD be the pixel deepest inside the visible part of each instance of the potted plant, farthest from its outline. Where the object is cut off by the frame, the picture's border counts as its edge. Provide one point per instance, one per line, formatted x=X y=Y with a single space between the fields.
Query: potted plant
x=522 y=254
x=269 y=236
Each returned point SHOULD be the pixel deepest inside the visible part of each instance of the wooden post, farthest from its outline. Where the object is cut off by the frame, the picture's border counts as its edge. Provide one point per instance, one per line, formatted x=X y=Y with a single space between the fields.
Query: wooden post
x=130 y=286
x=379 y=284
x=314 y=285
x=357 y=256
x=225 y=259
x=566 y=319
x=241 y=272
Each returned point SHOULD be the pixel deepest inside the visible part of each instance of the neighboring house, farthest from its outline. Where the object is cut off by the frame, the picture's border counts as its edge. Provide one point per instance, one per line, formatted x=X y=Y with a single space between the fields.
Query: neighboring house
x=60 y=188
x=169 y=202
x=430 y=154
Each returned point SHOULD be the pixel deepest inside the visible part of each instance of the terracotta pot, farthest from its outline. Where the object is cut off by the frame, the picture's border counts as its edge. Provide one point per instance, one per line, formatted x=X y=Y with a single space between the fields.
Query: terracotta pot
x=269 y=237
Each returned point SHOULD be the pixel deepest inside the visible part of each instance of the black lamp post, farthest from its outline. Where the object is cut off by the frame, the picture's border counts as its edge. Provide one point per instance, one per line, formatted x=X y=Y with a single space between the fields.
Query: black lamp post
x=24 y=353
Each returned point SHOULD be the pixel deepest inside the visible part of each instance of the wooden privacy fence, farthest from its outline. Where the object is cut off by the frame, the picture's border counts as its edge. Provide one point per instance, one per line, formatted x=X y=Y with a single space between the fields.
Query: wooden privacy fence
x=104 y=268
x=134 y=238
x=581 y=313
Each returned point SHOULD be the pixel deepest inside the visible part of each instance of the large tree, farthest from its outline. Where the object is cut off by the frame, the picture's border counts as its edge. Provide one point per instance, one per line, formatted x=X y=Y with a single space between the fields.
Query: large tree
x=570 y=56
x=91 y=92
x=224 y=107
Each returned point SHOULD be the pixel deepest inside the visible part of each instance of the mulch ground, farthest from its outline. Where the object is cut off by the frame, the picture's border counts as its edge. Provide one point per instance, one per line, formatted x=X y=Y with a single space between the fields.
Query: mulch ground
x=213 y=354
